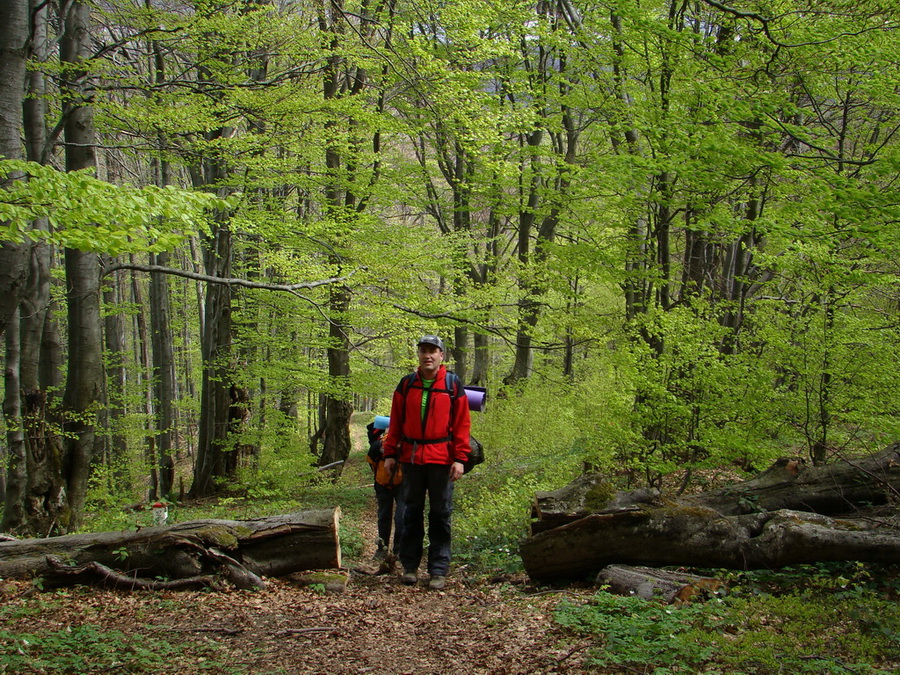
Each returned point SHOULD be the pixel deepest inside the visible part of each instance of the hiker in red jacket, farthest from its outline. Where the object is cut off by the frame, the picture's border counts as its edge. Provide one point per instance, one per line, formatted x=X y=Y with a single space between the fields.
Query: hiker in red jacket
x=429 y=436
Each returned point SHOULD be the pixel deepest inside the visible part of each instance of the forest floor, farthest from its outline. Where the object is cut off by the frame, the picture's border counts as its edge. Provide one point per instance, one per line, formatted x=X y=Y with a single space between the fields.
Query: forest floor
x=501 y=625
x=376 y=625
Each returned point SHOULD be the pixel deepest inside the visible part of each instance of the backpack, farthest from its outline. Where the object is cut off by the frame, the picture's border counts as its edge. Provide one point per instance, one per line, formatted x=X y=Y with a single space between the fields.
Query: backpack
x=453 y=386
x=375 y=458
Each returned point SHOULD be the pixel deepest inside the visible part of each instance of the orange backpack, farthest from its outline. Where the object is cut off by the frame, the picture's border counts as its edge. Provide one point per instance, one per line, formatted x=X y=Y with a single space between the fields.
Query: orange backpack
x=389 y=479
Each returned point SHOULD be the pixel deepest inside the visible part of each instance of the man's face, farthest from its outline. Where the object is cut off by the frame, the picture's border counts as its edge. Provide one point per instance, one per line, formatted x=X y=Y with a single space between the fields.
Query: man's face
x=430 y=358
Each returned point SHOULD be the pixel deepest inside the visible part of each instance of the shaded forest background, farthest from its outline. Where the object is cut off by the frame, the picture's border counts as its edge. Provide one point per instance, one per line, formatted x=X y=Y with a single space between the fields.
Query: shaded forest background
x=662 y=234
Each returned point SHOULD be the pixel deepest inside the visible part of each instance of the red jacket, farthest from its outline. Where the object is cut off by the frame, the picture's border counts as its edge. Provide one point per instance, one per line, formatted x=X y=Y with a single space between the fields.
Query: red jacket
x=443 y=438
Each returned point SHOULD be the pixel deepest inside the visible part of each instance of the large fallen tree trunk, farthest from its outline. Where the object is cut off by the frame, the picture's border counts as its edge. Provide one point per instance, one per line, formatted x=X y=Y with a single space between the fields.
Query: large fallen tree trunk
x=773 y=520
x=241 y=551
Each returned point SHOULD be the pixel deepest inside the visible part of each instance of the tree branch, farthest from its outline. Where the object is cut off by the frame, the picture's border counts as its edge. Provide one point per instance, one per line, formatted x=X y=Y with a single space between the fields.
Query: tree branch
x=227 y=281
x=765 y=23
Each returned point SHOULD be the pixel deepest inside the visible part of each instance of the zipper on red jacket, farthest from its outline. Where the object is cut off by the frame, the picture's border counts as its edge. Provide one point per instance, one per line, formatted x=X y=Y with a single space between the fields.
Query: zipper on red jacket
x=423 y=419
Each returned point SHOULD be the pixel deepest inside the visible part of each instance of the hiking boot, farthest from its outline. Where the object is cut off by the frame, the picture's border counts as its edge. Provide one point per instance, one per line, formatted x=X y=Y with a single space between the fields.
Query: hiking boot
x=437 y=583
x=380 y=554
x=409 y=577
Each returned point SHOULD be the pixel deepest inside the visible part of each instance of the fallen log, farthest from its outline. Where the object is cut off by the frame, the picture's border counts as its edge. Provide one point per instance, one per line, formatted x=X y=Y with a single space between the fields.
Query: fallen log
x=831 y=489
x=696 y=537
x=590 y=493
x=240 y=551
x=653 y=584
x=767 y=522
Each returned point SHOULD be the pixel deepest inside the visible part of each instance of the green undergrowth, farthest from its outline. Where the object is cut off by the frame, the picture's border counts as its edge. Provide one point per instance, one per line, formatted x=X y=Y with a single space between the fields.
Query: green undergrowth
x=88 y=649
x=810 y=619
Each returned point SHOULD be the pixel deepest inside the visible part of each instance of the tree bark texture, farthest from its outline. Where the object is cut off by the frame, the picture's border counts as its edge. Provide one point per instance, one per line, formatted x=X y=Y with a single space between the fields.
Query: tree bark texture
x=164 y=380
x=13 y=54
x=84 y=380
x=212 y=446
x=13 y=455
x=35 y=483
x=788 y=515
x=336 y=442
x=273 y=546
x=116 y=445
x=831 y=489
x=340 y=203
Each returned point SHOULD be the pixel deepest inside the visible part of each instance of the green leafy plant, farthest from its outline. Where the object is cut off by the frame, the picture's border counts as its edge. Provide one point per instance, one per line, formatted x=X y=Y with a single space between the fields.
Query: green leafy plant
x=636 y=633
x=87 y=649
x=811 y=631
x=352 y=541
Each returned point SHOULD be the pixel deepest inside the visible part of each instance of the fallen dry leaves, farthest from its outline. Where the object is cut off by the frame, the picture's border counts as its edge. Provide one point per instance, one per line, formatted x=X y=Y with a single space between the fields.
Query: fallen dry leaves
x=375 y=626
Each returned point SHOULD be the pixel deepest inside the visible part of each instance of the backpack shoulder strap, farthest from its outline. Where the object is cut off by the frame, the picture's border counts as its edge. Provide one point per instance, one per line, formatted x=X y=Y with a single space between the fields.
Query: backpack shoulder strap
x=405 y=383
x=454 y=385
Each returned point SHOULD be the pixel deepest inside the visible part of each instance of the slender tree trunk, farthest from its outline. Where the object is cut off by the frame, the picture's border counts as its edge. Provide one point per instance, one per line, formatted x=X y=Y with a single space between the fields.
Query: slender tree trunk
x=13 y=256
x=13 y=485
x=482 y=359
x=337 y=406
x=145 y=372
x=84 y=379
x=460 y=352
x=527 y=314
x=13 y=54
x=212 y=442
x=164 y=381
x=115 y=375
x=213 y=462
x=636 y=254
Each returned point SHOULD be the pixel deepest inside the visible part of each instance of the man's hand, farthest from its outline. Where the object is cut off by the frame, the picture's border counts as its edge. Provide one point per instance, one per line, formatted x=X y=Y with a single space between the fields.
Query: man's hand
x=456 y=471
x=389 y=464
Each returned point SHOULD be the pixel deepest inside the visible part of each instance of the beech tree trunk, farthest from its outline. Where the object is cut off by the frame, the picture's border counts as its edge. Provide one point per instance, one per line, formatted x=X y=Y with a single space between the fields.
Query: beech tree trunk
x=272 y=546
x=790 y=514
x=164 y=380
x=84 y=379
x=13 y=54
x=213 y=447
x=35 y=486
x=13 y=255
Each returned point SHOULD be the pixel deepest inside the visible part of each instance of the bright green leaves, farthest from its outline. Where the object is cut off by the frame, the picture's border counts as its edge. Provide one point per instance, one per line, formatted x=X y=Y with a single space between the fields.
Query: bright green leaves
x=92 y=215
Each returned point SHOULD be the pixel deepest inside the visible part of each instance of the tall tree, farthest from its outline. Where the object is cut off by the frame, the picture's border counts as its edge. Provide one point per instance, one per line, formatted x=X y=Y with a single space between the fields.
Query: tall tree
x=84 y=380
x=13 y=41
x=13 y=54
x=352 y=145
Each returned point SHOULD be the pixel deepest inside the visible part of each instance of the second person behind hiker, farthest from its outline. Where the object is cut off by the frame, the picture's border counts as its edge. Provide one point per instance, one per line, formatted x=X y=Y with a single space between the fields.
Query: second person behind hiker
x=429 y=436
x=388 y=494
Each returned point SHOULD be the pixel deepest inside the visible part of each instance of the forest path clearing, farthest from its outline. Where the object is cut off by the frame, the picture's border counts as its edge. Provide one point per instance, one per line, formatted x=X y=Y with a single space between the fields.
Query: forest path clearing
x=376 y=626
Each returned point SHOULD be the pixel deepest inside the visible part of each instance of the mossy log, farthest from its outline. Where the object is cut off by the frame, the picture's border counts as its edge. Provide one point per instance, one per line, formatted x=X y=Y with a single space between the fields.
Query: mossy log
x=240 y=551
x=590 y=493
x=790 y=514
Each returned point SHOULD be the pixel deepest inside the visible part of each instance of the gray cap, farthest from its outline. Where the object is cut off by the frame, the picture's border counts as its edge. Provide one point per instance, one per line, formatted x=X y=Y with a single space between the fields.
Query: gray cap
x=431 y=340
